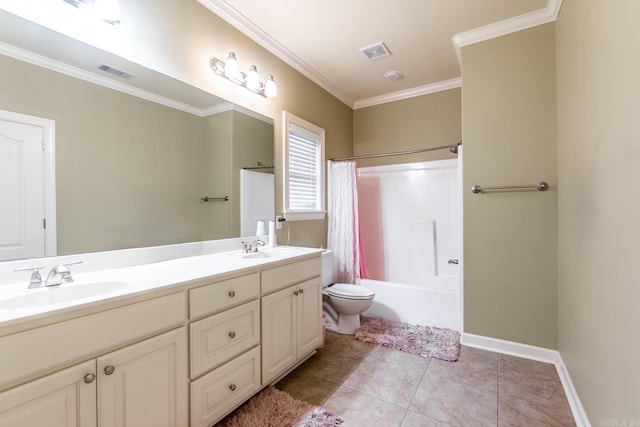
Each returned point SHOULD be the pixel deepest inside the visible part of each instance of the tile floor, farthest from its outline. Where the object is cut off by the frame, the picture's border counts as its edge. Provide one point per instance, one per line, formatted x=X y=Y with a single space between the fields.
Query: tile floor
x=371 y=385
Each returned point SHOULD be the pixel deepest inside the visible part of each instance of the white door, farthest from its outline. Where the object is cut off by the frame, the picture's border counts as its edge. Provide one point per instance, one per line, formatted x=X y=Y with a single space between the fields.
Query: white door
x=22 y=233
x=63 y=399
x=145 y=384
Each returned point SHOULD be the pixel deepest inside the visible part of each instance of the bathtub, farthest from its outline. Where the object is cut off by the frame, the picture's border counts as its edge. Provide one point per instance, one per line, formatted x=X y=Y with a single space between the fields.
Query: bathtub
x=415 y=305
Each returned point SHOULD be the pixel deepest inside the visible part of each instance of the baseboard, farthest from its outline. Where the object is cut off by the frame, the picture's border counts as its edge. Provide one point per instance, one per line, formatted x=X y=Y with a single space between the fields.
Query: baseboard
x=534 y=353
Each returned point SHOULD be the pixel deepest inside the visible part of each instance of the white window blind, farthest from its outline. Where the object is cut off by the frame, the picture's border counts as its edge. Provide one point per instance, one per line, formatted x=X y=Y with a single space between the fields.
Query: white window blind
x=304 y=163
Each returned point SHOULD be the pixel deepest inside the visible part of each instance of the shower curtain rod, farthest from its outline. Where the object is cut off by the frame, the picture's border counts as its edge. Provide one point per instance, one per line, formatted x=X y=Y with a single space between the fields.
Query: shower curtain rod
x=452 y=147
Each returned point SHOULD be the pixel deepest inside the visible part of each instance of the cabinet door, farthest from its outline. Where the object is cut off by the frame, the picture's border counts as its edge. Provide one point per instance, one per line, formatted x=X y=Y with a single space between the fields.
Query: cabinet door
x=145 y=384
x=62 y=399
x=309 y=316
x=278 y=333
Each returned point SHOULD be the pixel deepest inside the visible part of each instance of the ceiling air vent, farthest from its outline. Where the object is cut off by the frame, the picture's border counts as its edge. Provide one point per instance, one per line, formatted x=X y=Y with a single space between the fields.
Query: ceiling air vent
x=375 y=51
x=115 y=71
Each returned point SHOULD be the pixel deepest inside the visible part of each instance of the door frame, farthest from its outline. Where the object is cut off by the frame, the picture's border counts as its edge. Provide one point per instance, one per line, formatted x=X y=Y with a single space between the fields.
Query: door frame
x=48 y=127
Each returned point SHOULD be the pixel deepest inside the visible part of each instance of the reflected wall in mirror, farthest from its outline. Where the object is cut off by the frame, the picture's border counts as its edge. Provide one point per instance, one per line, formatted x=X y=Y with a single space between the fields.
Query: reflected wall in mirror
x=131 y=172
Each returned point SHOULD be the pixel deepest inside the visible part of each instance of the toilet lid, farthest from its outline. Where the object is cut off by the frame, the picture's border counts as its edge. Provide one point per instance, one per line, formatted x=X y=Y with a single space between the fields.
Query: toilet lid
x=349 y=291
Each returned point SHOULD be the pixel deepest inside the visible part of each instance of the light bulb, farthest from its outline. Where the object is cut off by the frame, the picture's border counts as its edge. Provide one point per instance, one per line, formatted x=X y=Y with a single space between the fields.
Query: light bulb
x=231 y=67
x=270 y=89
x=253 y=79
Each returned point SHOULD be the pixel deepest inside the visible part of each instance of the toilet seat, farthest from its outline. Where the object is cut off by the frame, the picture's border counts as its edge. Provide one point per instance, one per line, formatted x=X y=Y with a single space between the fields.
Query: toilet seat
x=350 y=292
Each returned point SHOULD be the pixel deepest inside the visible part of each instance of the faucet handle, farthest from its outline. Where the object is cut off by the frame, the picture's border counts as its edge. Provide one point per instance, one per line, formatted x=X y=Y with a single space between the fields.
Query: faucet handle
x=36 y=278
x=69 y=264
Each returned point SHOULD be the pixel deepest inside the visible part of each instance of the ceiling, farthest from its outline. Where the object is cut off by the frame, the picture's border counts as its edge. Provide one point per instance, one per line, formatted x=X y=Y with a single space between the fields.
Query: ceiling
x=321 y=39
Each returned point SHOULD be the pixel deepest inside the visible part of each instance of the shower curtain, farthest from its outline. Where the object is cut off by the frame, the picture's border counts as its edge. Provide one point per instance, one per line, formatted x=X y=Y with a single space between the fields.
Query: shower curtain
x=344 y=234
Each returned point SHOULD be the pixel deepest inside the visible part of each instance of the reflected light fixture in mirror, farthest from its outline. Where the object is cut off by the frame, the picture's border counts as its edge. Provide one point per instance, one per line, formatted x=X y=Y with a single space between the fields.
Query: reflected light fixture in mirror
x=106 y=10
x=251 y=80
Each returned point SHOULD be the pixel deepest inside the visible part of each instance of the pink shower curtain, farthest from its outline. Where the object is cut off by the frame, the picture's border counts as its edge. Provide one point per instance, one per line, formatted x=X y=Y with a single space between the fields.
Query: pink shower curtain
x=344 y=233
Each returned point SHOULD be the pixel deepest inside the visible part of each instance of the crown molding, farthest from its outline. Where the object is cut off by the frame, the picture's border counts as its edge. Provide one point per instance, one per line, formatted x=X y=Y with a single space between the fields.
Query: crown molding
x=409 y=93
x=255 y=33
x=507 y=26
x=69 y=70
x=228 y=106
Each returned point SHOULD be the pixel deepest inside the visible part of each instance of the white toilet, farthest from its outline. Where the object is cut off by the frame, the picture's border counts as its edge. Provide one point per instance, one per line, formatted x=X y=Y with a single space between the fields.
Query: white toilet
x=342 y=303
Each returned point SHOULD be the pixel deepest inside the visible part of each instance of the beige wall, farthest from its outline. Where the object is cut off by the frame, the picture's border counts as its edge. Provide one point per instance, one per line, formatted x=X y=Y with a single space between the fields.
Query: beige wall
x=217 y=217
x=423 y=121
x=598 y=208
x=122 y=180
x=509 y=132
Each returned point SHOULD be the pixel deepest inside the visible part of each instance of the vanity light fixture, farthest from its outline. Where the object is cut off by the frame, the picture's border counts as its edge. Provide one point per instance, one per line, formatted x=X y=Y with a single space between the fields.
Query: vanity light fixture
x=251 y=80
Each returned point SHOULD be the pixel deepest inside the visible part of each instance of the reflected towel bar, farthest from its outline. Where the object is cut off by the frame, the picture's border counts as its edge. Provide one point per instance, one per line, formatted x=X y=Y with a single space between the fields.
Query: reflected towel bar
x=541 y=186
x=215 y=199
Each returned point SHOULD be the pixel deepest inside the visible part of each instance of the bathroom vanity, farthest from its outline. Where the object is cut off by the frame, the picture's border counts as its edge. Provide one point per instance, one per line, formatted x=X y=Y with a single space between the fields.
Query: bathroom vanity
x=173 y=343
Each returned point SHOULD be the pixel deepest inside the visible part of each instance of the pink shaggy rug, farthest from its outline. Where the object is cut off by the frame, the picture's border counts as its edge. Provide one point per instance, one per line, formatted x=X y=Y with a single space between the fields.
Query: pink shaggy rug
x=441 y=343
x=275 y=408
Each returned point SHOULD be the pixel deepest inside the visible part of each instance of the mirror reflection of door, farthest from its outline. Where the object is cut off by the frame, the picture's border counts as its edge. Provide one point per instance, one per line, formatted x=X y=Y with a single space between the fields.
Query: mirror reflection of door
x=22 y=233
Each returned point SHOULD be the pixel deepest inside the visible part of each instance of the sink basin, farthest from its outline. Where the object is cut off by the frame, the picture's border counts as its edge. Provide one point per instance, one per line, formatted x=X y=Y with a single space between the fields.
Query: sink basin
x=268 y=253
x=60 y=294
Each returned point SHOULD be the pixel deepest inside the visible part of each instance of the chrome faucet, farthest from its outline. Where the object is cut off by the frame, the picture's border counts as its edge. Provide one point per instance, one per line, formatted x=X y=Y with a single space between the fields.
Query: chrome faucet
x=36 y=278
x=60 y=274
x=252 y=247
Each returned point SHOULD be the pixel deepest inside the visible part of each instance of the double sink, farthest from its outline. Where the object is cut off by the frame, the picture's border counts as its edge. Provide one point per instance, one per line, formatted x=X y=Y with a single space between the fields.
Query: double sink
x=83 y=290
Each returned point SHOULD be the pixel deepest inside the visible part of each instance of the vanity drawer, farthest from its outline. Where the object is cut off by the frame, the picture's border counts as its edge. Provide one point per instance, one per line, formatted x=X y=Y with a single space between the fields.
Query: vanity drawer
x=285 y=275
x=39 y=350
x=218 y=296
x=222 y=390
x=218 y=338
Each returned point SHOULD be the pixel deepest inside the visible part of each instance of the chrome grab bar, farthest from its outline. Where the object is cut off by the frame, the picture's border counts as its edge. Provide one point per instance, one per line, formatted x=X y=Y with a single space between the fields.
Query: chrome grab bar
x=215 y=199
x=541 y=186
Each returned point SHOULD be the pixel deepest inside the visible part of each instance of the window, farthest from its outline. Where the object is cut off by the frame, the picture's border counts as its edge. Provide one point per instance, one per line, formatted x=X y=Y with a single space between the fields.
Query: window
x=303 y=170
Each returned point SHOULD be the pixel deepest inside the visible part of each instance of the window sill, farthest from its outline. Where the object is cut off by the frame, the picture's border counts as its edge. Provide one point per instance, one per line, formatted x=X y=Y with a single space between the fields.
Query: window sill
x=304 y=216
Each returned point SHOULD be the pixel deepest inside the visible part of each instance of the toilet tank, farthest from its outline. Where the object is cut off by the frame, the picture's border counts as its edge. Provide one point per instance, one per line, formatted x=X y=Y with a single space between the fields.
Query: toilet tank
x=328 y=270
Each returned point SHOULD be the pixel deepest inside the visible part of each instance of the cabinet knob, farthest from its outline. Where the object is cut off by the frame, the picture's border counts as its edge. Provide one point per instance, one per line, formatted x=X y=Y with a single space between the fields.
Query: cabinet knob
x=232 y=334
x=301 y=291
x=232 y=387
x=89 y=378
x=232 y=294
x=295 y=293
x=109 y=369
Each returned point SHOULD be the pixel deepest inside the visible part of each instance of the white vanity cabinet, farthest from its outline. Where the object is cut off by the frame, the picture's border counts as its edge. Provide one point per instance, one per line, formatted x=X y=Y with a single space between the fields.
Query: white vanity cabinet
x=143 y=384
x=225 y=347
x=186 y=354
x=63 y=399
x=291 y=317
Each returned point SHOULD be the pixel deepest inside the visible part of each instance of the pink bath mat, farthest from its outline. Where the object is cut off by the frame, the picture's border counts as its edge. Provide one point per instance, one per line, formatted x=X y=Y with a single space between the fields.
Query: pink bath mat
x=441 y=343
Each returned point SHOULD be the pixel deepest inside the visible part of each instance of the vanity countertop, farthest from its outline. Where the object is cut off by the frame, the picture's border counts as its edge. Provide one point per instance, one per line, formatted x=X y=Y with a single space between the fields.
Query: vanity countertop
x=22 y=308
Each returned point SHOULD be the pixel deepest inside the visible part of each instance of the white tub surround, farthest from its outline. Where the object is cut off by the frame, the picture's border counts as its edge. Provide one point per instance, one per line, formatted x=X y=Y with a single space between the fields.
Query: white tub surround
x=239 y=321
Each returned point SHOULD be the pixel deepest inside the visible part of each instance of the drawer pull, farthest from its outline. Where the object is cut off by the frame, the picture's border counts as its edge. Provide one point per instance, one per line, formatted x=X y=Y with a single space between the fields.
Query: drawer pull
x=232 y=387
x=232 y=334
x=109 y=369
x=232 y=294
x=89 y=378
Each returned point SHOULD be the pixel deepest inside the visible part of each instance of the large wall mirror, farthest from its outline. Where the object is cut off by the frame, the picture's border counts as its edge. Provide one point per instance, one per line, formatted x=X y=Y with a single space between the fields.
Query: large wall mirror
x=133 y=157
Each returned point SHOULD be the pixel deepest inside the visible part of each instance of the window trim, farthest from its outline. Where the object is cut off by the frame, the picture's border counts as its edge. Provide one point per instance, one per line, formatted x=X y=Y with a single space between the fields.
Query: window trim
x=303 y=215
